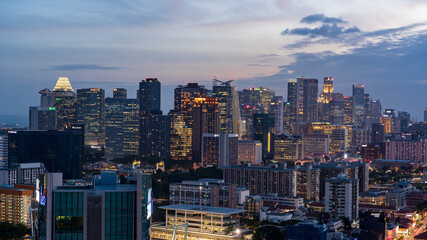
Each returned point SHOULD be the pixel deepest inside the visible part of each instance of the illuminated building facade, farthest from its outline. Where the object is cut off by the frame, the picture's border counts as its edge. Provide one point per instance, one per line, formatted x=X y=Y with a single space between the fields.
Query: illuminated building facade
x=185 y=99
x=291 y=106
x=121 y=125
x=204 y=192
x=4 y=151
x=277 y=108
x=342 y=195
x=307 y=92
x=315 y=144
x=91 y=114
x=414 y=151
x=59 y=151
x=65 y=104
x=15 y=205
x=264 y=128
x=358 y=105
x=204 y=223
x=42 y=118
x=287 y=148
x=348 y=110
x=205 y=120
x=181 y=141
x=325 y=97
x=263 y=180
x=266 y=97
x=340 y=136
x=250 y=151
x=308 y=182
x=102 y=210
x=336 y=113
x=220 y=149
x=228 y=104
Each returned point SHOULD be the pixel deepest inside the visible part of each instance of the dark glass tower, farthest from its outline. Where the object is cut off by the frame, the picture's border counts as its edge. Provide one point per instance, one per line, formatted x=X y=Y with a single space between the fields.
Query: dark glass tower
x=264 y=126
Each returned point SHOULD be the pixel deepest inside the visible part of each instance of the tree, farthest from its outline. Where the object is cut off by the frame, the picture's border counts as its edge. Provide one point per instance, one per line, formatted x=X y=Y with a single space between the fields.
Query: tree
x=13 y=230
x=422 y=206
x=267 y=232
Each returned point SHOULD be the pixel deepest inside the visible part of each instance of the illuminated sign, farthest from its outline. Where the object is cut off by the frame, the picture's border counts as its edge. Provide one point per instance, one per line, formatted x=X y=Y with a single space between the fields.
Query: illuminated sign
x=149 y=203
x=52 y=108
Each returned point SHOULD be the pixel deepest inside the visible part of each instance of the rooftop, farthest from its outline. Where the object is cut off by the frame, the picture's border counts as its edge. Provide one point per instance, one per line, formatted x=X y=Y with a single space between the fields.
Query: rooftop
x=203 y=209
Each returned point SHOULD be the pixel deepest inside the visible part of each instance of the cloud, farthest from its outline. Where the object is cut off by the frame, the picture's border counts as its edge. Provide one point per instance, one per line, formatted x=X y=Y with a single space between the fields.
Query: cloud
x=72 y=67
x=321 y=18
x=326 y=30
x=268 y=55
x=257 y=65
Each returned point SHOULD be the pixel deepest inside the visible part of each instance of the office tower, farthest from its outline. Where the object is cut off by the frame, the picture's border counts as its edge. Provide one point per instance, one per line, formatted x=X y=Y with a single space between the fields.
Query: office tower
x=287 y=120
x=215 y=192
x=266 y=97
x=205 y=120
x=291 y=113
x=308 y=182
x=181 y=141
x=250 y=151
x=277 y=108
x=59 y=151
x=287 y=148
x=404 y=119
x=130 y=137
x=307 y=109
x=46 y=98
x=315 y=144
x=263 y=180
x=366 y=107
x=360 y=137
x=348 y=110
x=375 y=112
x=120 y=93
x=264 y=126
x=341 y=197
x=391 y=123
x=64 y=103
x=22 y=173
x=425 y=115
x=104 y=209
x=390 y=112
x=228 y=104
x=184 y=100
x=4 y=151
x=42 y=118
x=377 y=133
x=340 y=136
x=91 y=114
x=306 y=231
x=219 y=149
x=204 y=223
x=15 y=205
x=336 y=113
x=161 y=136
x=325 y=97
x=372 y=151
x=358 y=105
x=414 y=151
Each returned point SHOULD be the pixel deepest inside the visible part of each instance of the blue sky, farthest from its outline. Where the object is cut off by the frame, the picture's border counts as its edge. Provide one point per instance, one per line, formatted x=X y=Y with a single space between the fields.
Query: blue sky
x=115 y=43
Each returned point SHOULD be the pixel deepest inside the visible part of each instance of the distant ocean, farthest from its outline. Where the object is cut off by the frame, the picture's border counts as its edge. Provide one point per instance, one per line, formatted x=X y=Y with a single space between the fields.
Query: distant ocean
x=14 y=120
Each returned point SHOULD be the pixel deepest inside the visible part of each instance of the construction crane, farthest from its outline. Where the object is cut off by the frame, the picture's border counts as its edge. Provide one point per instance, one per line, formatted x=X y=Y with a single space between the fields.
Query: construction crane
x=177 y=226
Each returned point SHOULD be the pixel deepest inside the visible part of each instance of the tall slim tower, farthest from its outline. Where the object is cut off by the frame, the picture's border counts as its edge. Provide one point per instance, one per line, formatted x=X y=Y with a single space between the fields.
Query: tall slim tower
x=307 y=90
x=358 y=105
x=65 y=103
x=228 y=102
x=91 y=114
x=342 y=197
x=290 y=106
x=326 y=96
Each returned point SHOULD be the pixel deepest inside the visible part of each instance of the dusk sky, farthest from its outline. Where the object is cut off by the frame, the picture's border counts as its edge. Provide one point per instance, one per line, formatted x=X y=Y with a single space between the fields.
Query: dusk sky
x=116 y=43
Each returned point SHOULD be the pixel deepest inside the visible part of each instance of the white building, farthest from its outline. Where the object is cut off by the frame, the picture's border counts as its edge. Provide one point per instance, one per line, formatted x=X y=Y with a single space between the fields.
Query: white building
x=23 y=173
x=342 y=197
x=3 y=151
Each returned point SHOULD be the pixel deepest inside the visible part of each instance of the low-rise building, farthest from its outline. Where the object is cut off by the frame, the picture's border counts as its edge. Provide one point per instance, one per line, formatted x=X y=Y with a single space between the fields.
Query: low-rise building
x=15 y=205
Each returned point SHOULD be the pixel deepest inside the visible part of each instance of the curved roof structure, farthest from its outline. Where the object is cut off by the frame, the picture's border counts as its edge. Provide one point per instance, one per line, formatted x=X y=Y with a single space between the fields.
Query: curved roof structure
x=63 y=84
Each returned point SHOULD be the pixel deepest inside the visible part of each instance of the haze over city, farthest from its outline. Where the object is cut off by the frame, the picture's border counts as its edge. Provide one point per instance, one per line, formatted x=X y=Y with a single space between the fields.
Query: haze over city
x=109 y=44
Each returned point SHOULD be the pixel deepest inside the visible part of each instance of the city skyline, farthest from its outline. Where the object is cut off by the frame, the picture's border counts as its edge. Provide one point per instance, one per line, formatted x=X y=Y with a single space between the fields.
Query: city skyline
x=261 y=44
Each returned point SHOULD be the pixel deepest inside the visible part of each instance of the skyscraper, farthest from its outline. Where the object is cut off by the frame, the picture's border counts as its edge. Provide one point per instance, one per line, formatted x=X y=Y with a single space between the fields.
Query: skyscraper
x=42 y=118
x=358 y=105
x=290 y=107
x=91 y=114
x=64 y=103
x=341 y=197
x=149 y=105
x=264 y=127
x=228 y=103
x=348 y=110
x=46 y=98
x=220 y=149
x=307 y=109
x=205 y=120
x=337 y=109
x=325 y=97
x=181 y=141
x=405 y=119
x=277 y=108
x=120 y=93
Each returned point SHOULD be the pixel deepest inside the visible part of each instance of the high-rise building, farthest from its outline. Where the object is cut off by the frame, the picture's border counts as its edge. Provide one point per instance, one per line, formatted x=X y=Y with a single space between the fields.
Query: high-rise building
x=204 y=192
x=414 y=151
x=336 y=112
x=100 y=210
x=342 y=195
x=21 y=173
x=405 y=119
x=377 y=133
x=184 y=100
x=277 y=108
x=161 y=136
x=181 y=141
x=307 y=109
x=264 y=127
x=291 y=105
x=149 y=105
x=250 y=151
x=375 y=113
x=348 y=110
x=287 y=148
x=358 y=105
x=42 y=118
x=325 y=97
x=121 y=125
x=46 y=98
x=263 y=180
x=425 y=115
x=65 y=104
x=308 y=182
x=228 y=104
x=59 y=151
x=220 y=149
x=91 y=114
x=15 y=205
x=4 y=151
x=205 y=120
x=315 y=144
x=266 y=97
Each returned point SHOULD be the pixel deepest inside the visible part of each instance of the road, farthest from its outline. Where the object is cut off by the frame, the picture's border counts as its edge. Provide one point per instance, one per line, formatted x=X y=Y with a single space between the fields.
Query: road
x=419 y=230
